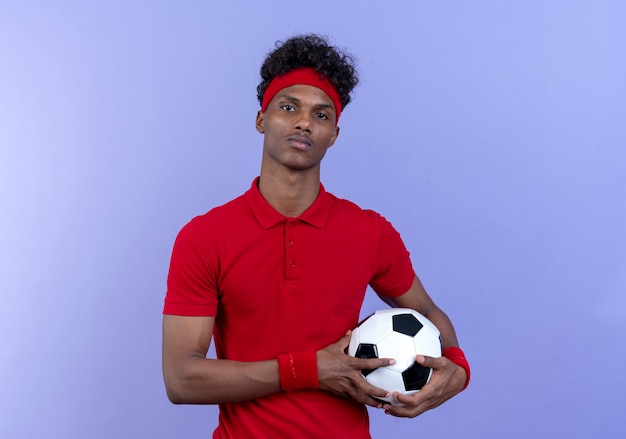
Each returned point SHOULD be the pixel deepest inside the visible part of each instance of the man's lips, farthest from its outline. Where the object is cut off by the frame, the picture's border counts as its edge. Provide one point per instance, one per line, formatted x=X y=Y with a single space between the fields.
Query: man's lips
x=299 y=142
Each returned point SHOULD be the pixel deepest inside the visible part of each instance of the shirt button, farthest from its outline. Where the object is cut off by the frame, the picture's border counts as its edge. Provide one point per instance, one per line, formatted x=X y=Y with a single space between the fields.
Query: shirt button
x=292 y=264
x=290 y=243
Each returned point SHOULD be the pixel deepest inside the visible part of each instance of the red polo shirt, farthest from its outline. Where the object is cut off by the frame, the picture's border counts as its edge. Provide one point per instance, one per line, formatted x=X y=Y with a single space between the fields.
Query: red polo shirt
x=278 y=285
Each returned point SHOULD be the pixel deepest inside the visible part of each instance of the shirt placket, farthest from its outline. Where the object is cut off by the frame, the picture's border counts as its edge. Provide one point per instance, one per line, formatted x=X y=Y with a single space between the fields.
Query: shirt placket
x=291 y=260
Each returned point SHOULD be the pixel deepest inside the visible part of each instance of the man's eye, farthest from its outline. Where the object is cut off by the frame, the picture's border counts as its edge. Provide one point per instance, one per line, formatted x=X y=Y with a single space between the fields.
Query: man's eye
x=287 y=107
x=321 y=116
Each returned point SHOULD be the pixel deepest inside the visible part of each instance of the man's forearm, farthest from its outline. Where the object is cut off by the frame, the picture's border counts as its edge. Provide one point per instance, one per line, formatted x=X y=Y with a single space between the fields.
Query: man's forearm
x=210 y=381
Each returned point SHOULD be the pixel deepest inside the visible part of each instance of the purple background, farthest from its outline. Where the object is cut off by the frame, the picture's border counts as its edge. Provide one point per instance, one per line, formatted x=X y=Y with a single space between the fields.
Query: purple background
x=492 y=134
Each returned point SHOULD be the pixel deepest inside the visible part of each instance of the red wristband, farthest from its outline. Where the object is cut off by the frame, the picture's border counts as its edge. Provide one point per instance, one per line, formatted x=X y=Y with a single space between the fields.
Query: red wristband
x=298 y=371
x=457 y=356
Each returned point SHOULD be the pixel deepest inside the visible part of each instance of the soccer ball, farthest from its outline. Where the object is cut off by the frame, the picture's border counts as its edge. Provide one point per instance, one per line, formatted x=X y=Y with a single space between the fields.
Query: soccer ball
x=401 y=334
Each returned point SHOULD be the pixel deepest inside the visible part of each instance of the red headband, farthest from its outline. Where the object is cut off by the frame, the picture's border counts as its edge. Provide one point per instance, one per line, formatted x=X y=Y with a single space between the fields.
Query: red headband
x=303 y=75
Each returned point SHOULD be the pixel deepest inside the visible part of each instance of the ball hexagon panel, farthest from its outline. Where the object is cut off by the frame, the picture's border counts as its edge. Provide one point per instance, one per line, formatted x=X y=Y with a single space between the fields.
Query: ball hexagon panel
x=428 y=342
x=388 y=380
x=398 y=346
x=372 y=330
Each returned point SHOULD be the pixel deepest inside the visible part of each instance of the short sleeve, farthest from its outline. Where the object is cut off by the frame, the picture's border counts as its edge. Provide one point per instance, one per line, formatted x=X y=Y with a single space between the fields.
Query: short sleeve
x=395 y=273
x=191 y=281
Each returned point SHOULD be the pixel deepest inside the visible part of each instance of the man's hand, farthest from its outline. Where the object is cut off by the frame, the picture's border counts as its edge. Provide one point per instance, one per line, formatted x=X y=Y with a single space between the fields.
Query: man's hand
x=340 y=373
x=447 y=380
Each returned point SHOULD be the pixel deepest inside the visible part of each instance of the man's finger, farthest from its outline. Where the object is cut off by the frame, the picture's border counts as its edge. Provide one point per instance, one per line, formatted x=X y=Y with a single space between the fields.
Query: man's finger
x=373 y=363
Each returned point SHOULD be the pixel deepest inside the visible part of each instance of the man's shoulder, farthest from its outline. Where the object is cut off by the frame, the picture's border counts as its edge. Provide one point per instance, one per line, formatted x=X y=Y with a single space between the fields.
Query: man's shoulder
x=349 y=207
x=348 y=215
x=218 y=217
x=223 y=212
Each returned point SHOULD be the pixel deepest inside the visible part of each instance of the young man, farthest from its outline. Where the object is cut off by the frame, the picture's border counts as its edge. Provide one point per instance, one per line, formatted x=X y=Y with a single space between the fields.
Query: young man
x=278 y=275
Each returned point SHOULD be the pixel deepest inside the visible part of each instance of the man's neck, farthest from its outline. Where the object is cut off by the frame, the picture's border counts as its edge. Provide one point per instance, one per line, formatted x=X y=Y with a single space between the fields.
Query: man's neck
x=290 y=194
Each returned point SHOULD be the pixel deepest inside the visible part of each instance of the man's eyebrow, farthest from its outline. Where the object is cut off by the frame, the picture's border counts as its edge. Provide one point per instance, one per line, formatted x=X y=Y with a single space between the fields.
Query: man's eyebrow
x=291 y=98
x=325 y=106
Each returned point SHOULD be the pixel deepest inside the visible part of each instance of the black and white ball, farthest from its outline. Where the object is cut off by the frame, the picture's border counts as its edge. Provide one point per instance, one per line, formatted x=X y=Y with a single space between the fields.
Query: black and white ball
x=401 y=334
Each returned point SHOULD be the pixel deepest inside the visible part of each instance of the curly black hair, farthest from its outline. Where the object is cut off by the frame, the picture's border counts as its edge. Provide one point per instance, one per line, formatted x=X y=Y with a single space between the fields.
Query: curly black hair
x=310 y=51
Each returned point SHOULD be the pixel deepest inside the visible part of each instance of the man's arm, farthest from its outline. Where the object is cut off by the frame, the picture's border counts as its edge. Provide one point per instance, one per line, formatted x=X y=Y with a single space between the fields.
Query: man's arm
x=448 y=379
x=191 y=378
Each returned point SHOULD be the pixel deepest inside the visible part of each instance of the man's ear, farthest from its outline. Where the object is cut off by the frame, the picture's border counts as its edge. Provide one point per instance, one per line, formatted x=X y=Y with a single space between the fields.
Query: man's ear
x=334 y=138
x=260 y=119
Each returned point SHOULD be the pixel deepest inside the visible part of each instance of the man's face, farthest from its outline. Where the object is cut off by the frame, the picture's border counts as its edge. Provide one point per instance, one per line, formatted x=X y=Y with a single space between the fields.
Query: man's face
x=299 y=127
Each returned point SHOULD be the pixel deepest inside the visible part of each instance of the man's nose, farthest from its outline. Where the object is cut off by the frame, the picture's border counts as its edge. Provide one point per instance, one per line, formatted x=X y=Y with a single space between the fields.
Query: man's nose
x=304 y=123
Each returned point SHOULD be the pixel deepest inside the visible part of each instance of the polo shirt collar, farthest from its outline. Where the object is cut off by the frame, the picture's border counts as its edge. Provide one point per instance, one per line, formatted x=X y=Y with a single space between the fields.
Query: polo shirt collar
x=316 y=215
